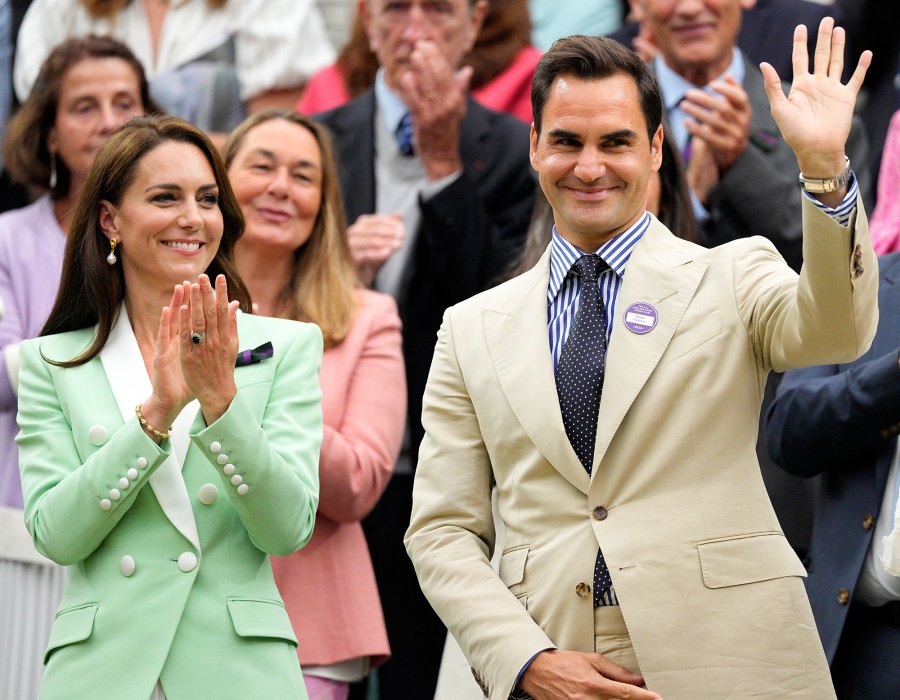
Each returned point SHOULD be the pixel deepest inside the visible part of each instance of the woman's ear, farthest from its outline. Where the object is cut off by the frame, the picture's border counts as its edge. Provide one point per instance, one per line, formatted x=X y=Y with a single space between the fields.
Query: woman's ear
x=108 y=220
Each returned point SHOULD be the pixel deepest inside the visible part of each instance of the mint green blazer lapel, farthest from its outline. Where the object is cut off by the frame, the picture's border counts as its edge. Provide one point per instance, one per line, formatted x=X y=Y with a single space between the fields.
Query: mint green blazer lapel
x=129 y=383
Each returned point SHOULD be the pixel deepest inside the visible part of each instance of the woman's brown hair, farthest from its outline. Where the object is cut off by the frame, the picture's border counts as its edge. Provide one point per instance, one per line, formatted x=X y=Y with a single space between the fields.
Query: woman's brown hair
x=323 y=286
x=25 y=144
x=110 y=8
x=91 y=291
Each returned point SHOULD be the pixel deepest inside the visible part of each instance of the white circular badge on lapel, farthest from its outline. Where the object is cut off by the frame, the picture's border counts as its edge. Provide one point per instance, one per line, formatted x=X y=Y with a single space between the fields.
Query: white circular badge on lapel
x=640 y=318
x=98 y=435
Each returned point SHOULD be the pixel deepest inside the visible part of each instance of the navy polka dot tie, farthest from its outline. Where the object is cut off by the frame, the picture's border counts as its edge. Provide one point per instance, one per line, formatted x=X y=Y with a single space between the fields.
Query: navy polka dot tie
x=579 y=381
x=405 y=135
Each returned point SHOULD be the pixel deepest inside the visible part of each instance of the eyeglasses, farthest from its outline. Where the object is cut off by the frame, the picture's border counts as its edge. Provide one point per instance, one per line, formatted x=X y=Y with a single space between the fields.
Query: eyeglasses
x=435 y=11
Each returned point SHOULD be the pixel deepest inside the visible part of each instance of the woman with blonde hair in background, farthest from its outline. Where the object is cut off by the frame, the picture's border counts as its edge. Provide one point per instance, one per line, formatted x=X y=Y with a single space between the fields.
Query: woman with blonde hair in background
x=295 y=259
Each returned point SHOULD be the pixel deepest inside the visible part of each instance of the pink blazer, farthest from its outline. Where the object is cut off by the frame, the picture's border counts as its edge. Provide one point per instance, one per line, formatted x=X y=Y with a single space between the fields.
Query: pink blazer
x=329 y=586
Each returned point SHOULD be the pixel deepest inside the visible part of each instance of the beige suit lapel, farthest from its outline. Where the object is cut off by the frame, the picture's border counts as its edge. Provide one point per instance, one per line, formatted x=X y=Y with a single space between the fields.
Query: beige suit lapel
x=661 y=271
x=519 y=346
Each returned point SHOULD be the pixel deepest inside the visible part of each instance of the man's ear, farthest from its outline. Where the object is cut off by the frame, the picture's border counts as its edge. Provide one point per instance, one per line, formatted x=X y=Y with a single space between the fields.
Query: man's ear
x=365 y=18
x=656 y=148
x=476 y=20
x=532 y=147
x=108 y=219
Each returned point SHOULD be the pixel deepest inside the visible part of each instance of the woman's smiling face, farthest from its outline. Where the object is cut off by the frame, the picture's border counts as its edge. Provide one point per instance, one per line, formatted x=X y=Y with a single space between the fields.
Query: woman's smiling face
x=168 y=223
x=276 y=175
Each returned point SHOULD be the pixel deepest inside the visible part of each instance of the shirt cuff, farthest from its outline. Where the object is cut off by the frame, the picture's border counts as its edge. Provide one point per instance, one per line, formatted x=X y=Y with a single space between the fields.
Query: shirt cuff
x=527 y=664
x=845 y=209
x=431 y=189
x=701 y=213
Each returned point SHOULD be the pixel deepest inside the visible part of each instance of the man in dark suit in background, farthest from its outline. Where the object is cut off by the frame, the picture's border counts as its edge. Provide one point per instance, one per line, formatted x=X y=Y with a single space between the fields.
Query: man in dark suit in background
x=842 y=421
x=742 y=174
x=766 y=29
x=438 y=193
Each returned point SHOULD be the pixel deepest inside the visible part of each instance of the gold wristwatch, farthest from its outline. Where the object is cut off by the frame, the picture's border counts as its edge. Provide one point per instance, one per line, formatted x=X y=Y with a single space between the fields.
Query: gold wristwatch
x=832 y=184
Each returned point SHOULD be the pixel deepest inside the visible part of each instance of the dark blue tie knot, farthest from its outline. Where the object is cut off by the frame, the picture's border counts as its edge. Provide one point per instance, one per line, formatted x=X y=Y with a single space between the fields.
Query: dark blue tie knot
x=590 y=267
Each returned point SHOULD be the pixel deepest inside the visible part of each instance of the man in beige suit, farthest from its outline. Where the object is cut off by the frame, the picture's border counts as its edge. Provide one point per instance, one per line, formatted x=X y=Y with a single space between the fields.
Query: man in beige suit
x=694 y=592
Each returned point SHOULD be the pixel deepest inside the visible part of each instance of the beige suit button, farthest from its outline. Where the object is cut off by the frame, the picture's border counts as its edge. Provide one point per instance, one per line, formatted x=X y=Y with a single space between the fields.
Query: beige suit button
x=222 y=459
x=242 y=489
x=208 y=494
x=237 y=480
x=858 y=269
x=132 y=474
x=114 y=494
x=583 y=590
x=229 y=469
x=126 y=565
x=868 y=522
x=142 y=462
x=599 y=513
x=187 y=562
x=215 y=447
x=124 y=483
x=105 y=504
x=98 y=435
x=843 y=596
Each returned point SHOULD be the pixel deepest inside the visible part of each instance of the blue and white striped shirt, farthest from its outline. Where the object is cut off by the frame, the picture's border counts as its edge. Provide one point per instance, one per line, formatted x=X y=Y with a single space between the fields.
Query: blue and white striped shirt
x=845 y=209
x=564 y=291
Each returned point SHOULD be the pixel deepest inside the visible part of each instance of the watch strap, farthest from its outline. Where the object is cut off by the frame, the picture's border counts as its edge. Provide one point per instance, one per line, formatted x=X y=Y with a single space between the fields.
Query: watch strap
x=832 y=184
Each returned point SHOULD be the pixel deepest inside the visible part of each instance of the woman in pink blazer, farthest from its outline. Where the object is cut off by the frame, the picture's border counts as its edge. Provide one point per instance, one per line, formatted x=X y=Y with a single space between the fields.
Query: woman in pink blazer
x=294 y=258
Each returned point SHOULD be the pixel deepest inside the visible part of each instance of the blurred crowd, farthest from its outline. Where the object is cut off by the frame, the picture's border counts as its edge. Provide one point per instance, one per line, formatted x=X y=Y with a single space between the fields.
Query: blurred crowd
x=378 y=153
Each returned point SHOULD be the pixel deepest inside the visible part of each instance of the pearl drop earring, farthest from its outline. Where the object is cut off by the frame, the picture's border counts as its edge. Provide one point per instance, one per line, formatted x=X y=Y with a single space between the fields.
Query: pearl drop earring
x=111 y=258
x=53 y=177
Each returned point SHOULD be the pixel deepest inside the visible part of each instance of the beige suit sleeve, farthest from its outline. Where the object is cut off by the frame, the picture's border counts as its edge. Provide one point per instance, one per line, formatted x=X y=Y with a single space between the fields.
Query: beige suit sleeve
x=829 y=315
x=451 y=534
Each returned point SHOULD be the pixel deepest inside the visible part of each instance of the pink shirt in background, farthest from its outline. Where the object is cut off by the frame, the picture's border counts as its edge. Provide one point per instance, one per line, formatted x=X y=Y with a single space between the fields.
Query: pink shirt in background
x=884 y=225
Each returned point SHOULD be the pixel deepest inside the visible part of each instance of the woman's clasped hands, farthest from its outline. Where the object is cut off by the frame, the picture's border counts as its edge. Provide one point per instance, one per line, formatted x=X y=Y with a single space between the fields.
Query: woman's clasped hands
x=195 y=353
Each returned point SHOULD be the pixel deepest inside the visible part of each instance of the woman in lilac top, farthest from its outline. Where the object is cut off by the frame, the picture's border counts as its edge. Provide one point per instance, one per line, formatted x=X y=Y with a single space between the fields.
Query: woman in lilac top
x=87 y=88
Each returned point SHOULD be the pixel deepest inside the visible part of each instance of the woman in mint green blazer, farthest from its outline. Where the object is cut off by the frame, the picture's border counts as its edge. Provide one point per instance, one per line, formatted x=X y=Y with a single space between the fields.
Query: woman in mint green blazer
x=155 y=466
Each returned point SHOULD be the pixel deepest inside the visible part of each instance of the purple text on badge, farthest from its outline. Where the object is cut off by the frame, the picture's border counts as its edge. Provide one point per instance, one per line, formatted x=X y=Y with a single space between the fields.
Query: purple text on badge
x=640 y=318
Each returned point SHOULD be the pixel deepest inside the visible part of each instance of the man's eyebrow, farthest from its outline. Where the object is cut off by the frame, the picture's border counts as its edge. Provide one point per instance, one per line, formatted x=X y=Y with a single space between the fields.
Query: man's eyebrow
x=562 y=134
x=620 y=134
x=613 y=135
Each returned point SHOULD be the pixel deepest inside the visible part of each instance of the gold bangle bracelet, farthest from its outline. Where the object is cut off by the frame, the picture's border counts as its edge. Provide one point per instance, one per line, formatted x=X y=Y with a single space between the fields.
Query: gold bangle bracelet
x=149 y=428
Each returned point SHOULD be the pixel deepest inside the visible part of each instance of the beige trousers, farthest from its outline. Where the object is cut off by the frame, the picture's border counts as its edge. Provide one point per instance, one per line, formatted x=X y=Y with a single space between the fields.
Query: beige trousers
x=611 y=637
